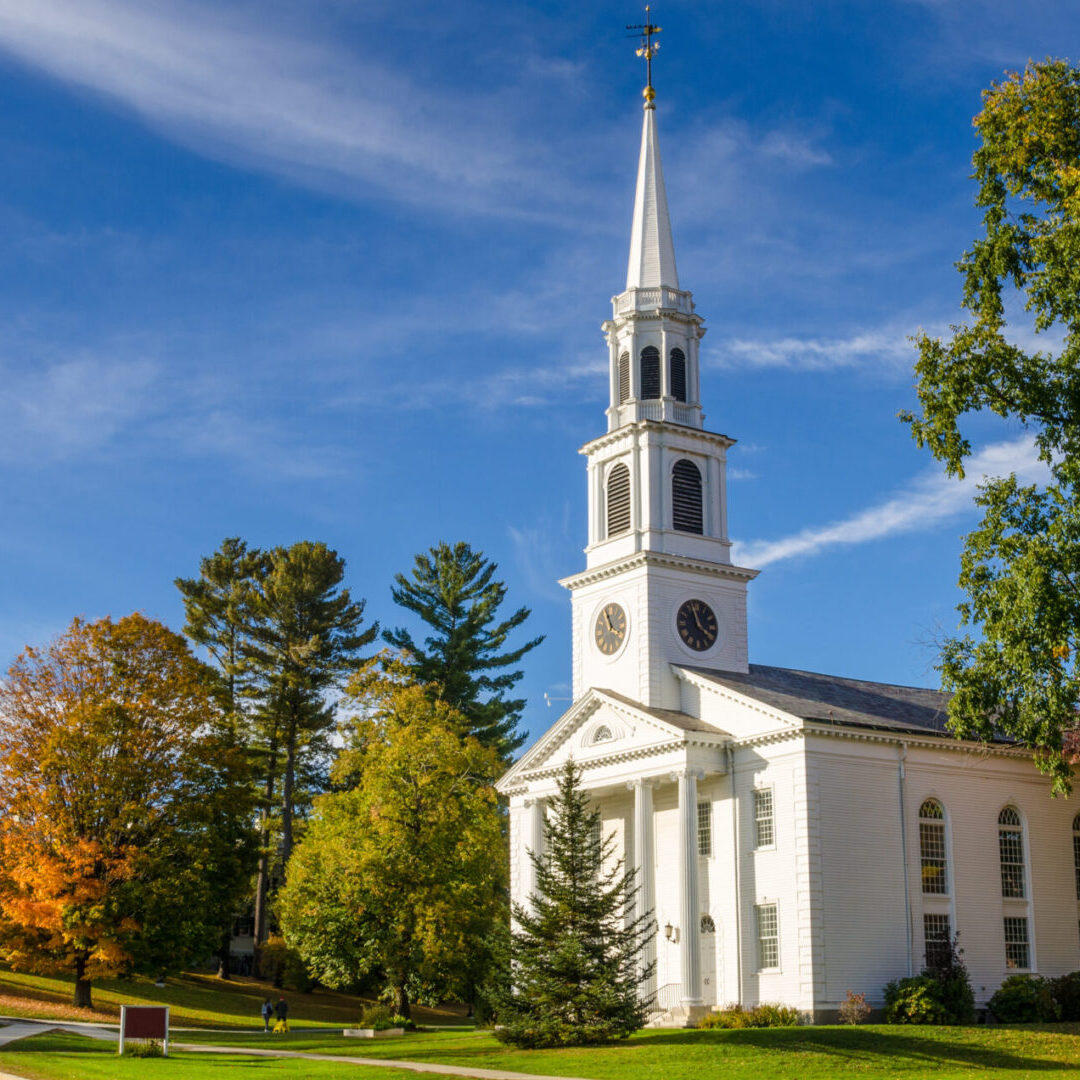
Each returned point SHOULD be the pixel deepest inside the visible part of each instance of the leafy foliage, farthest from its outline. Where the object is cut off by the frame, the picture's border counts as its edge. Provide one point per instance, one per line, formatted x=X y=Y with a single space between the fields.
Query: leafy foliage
x=764 y=1015
x=1021 y=567
x=122 y=805
x=953 y=990
x=453 y=589
x=1025 y=999
x=577 y=951
x=914 y=1000
x=403 y=873
x=1066 y=991
x=854 y=1009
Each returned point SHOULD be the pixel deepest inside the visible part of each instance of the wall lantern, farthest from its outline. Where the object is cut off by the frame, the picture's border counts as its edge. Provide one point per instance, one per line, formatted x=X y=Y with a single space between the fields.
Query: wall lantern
x=671 y=933
x=667 y=931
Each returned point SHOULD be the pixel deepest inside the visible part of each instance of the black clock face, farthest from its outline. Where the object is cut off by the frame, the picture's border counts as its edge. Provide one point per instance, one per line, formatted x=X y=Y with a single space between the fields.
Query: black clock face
x=696 y=623
x=610 y=629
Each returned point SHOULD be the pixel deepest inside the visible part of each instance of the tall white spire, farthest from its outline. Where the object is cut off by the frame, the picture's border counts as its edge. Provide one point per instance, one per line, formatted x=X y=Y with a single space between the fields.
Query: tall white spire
x=652 y=252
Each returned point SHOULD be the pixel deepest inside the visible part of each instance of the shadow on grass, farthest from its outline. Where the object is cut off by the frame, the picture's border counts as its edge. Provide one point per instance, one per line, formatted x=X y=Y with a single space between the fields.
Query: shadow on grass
x=970 y=1047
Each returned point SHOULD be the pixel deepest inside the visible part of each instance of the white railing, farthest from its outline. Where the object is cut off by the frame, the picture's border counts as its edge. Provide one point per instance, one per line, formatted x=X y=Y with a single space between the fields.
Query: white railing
x=683 y=414
x=667 y=997
x=655 y=298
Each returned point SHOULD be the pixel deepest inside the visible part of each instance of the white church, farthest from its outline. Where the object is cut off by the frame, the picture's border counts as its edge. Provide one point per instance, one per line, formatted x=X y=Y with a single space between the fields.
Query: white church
x=796 y=835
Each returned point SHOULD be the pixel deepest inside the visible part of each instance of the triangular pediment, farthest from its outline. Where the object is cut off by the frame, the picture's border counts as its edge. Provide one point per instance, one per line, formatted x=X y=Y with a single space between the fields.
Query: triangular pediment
x=603 y=725
x=734 y=709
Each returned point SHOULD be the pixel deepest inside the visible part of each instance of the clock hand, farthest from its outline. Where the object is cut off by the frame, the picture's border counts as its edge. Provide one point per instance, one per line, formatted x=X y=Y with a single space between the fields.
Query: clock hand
x=697 y=619
x=611 y=625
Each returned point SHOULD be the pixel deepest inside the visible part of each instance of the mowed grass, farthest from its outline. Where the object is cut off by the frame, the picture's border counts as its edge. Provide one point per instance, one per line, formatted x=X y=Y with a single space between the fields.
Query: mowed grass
x=194 y=1001
x=71 y=1057
x=808 y=1053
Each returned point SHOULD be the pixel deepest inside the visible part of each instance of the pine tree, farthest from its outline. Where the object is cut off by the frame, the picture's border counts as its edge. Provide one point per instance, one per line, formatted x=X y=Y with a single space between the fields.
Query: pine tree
x=577 y=950
x=452 y=588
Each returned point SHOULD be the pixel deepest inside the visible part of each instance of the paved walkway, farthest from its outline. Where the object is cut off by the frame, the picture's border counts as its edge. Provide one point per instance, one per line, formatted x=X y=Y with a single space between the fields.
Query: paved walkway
x=20 y=1029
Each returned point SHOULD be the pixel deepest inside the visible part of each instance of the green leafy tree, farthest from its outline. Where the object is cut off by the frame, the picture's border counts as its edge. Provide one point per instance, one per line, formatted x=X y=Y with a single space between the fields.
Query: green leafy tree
x=123 y=810
x=401 y=876
x=454 y=591
x=307 y=633
x=577 y=950
x=1018 y=671
x=217 y=606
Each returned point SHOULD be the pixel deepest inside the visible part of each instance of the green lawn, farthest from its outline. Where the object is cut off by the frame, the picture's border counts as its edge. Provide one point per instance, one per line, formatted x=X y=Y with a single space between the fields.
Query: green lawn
x=70 y=1057
x=809 y=1053
x=193 y=1000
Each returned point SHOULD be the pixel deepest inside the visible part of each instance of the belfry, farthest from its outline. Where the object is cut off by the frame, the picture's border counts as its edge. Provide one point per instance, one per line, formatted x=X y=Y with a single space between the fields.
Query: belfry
x=795 y=835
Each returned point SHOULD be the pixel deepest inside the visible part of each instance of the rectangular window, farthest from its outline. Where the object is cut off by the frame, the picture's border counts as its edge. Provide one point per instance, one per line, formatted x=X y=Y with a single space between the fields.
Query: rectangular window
x=937 y=938
x=932 y=849
x=596 y=835
x=768 y=936
x=1011 y=844
x=764 y=836
x=1016 y=944
x=1076 y=861
x=704 y=828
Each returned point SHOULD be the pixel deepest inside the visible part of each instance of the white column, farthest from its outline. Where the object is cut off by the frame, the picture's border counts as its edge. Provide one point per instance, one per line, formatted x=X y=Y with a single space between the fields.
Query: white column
x=643 y=863
x=690 y=930
x=534 y=837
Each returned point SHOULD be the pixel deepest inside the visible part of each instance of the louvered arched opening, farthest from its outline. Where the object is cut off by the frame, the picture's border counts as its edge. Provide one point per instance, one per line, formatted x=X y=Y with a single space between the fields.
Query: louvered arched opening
x=618 y=500
x=624 y=378
x=678 y=374
x=650 y=372
x=686 y=497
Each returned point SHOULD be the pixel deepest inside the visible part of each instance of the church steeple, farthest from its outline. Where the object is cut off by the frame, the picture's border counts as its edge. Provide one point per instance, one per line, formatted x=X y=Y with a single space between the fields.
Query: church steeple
x=652 y=252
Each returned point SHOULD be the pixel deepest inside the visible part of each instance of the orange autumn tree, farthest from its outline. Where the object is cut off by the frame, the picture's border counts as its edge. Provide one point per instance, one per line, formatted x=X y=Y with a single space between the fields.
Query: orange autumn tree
x=122 y=804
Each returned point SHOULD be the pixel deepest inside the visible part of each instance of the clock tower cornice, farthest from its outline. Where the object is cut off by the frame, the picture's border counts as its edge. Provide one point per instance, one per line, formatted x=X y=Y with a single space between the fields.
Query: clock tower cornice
x=627 y=432
x=617 y=567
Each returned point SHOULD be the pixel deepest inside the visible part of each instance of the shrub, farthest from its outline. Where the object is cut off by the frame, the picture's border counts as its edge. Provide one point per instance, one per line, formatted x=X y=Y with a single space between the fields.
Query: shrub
x=915 y=1000
x=400 y=1021
x=1066 y=991
x=144 y=1048
x=764 y=1015
x=954 y=992
x=378 y=1018
x=283 y=966
x=853 y=1009
x=1025 y=999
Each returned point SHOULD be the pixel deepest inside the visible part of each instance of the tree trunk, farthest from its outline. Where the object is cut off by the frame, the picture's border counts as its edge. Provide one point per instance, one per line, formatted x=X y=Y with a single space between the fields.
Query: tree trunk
x=287 y=784
x=223 y=954
x=262 y=883
x=82 y=984
x=401 y=1001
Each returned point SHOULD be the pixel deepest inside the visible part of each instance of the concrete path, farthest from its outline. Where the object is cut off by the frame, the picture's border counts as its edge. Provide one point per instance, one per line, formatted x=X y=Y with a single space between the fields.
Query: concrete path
x=20 y=1029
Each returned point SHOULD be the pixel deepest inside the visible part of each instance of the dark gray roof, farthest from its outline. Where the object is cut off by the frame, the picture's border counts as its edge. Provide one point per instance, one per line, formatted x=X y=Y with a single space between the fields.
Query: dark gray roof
x=832 y=699
x=669 y=716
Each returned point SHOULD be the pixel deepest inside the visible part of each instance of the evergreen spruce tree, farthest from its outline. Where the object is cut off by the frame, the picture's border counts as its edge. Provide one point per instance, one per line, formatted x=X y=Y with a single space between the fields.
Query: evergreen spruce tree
x=577 y=950
x=452 y=588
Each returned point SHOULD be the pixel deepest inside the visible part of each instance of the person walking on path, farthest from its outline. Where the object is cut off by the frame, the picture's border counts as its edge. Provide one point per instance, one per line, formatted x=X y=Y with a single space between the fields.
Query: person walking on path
x=267 y=1011
x=282 y=1015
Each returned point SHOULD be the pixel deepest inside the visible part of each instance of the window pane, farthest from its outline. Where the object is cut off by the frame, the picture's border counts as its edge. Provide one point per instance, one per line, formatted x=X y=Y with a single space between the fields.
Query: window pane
x=937 y=938
x=1016 y=944
x=1076 y=859
x=768 y=936
x=932 y=849
x=1011 y=844
x=763 y=817
x=704 y=828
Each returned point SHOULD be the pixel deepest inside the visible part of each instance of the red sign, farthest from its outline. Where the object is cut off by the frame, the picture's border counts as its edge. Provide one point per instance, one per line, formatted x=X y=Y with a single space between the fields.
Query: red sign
x=144 y=1022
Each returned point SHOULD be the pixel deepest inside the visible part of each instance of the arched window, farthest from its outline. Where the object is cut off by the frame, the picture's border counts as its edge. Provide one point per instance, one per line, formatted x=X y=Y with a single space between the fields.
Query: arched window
x=624 y=378
x=1011 y=847
x=686 y=497
x=935 y=878
x=1076 y=852
x=650 y=372
x=707 y=924
x=602 y=734
x=678 y=374
x=618 y=500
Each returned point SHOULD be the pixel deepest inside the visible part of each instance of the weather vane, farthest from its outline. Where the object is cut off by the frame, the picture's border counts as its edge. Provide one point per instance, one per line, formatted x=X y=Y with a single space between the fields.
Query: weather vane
x=648 y=49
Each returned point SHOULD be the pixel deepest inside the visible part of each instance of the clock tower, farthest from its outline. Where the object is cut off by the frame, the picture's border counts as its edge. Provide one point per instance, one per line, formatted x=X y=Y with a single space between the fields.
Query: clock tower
x=659 y=586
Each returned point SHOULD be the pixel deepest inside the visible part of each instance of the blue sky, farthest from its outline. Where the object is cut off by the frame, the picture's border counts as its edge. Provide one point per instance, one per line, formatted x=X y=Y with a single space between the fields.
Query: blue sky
x=335 y=270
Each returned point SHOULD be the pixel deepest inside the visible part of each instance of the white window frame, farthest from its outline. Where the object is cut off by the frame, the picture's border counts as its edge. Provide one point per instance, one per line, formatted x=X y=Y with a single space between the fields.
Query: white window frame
x=755 y=795
x=705 y=818
x=774 y=937
x=1024 y=921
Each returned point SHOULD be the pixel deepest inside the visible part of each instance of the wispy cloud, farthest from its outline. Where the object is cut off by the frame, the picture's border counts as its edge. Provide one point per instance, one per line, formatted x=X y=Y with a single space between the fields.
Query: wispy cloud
x=927 y=502
x=237 y=88
x=886 y=348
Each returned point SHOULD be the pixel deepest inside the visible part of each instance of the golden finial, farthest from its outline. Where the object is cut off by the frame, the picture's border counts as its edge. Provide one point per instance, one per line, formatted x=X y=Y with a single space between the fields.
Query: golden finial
x=648 y=48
